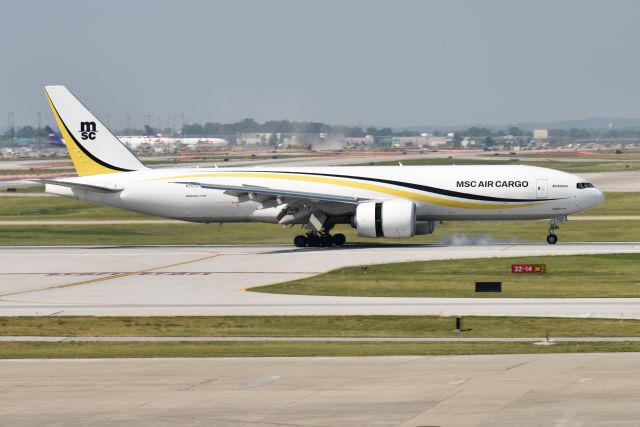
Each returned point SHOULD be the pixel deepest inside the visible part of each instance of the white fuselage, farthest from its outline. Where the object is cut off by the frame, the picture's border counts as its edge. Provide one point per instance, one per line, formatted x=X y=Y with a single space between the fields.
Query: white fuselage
x=507 y=192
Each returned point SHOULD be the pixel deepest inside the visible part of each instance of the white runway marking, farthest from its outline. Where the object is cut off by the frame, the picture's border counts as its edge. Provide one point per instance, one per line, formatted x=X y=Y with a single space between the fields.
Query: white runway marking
x=36 y=281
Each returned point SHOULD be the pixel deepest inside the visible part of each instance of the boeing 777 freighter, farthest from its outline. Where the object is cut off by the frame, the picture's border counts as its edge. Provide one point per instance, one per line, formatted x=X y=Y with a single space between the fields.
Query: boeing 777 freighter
x=391 y=202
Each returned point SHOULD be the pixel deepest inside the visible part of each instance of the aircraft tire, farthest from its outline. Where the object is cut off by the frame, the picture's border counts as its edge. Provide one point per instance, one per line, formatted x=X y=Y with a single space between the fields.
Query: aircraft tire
x=339 y=239
x=313 y=240
x=326 y=240
x=552 y=239
x=300 y=241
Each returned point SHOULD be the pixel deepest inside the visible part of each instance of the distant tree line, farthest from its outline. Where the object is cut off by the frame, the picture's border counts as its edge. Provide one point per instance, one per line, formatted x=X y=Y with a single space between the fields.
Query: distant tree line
x=281 y=126
x=26 y=132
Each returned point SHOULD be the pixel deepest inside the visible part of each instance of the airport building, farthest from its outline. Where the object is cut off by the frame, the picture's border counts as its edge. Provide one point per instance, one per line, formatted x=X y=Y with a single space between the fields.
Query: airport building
x=541 y=134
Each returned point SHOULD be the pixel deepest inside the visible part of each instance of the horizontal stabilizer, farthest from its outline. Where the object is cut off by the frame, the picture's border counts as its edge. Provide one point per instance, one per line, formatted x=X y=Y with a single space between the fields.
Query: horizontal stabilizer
x=81 y=186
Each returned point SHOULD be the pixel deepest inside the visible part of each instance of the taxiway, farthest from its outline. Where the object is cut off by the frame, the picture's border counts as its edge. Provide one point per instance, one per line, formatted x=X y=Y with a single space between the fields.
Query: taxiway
x=212 y=280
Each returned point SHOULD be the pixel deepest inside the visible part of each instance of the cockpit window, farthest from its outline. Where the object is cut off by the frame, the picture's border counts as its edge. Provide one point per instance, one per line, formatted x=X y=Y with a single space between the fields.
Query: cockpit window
x=582 y=185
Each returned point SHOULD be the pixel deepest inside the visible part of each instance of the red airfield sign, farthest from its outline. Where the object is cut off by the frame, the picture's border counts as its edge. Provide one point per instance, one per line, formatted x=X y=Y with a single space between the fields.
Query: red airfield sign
x=528 y=268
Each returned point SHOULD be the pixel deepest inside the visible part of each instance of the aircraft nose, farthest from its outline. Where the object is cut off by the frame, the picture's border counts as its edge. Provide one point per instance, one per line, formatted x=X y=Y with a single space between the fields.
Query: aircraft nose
x=590 y=197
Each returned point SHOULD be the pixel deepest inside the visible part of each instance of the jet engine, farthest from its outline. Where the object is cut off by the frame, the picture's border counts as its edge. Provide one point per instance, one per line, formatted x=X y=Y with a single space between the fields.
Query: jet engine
x=394 y=219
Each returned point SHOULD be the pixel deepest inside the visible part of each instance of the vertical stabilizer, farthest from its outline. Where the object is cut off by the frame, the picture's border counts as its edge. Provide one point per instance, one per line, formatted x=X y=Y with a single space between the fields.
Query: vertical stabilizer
x=93 y=148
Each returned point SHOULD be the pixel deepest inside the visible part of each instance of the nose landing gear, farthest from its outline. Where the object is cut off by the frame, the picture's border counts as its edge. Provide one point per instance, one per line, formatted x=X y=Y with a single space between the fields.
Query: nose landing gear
x=554 y=224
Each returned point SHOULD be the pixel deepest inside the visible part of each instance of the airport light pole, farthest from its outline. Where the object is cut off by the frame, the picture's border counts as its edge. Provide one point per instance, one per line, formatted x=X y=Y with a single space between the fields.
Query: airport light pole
x=11 y=118
x=39 y=140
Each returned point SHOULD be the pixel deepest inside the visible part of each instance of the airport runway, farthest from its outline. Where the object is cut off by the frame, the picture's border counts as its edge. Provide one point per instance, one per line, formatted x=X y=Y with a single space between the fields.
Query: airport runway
x=454 y=391
x=211 y=280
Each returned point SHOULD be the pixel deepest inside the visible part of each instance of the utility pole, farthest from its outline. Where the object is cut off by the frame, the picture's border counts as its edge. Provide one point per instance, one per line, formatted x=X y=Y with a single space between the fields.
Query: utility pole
x=39 y=127
x=11 y=118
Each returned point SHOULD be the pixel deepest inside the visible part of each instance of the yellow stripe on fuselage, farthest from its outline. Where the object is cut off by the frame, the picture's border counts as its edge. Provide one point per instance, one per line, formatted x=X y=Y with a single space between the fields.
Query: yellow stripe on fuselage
x=83 y=164
x=347 y=182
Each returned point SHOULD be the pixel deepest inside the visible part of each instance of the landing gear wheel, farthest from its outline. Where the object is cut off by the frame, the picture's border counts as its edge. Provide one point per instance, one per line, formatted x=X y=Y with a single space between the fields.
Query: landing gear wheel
x=326 y=240
x=553 y=227
x=300 y=241
x=313 y=240
x=339 y=239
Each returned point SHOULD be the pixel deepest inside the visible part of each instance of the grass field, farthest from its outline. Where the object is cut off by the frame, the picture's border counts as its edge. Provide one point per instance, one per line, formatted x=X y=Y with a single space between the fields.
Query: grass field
x=617 y=204
x=571 y=167
x=35 y=171
x=597 y=154
x=317 y=326
x=462 y=232
x=26 y=350
x=301 y=326
x=45 y=208
x=581 y=276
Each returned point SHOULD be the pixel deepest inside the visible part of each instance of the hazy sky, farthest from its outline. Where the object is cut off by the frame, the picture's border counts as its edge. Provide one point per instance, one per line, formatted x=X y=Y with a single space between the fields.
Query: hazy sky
x=392 y=63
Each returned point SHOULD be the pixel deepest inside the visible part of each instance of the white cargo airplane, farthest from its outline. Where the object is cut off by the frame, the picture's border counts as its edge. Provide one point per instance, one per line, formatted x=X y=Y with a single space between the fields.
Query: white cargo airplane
x=392 y=202
x=152 y=138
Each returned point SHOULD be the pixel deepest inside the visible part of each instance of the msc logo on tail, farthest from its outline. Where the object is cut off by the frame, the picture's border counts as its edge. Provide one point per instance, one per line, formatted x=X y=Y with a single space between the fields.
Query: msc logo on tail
x=88 y=130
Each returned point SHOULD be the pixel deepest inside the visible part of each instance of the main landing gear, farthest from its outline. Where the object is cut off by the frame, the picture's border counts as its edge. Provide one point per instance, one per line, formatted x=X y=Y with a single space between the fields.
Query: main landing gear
x=312 y=239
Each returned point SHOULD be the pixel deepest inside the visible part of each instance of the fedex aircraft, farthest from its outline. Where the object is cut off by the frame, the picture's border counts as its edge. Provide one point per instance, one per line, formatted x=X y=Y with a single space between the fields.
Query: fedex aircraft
x=378 y=201
x=54 y=138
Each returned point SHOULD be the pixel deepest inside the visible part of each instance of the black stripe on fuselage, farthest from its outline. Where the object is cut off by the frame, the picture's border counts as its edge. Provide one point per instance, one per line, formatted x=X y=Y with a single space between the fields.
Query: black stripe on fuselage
x=84 y=150
x=413 y=186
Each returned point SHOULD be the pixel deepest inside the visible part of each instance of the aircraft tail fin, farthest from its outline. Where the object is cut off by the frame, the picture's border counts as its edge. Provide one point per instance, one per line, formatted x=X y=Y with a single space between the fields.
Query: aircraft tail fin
x=93 y=148
x=54 y=138
x=149 y=131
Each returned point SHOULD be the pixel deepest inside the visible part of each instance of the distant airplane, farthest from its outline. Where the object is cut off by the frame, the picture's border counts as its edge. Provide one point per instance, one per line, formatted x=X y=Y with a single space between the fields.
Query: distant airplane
x=54 y=138
x=153 y=137
x=151 y=132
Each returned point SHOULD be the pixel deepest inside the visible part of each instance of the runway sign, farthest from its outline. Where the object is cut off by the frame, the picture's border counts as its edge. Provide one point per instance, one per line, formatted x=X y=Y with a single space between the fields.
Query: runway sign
x=528 y=268
x=488 y=286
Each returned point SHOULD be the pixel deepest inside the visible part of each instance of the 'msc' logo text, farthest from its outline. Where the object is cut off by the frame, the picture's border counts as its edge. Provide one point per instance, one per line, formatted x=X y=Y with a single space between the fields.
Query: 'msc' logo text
x=88 y=130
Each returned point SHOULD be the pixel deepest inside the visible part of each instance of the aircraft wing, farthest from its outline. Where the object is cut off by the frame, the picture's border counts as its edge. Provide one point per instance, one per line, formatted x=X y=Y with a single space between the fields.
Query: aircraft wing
x=81 y=186
x=252 y=192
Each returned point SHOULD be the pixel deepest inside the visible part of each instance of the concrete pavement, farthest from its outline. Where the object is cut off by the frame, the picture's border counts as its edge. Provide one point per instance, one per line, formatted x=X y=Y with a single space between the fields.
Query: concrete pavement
x=212 y=280
x=568 y=390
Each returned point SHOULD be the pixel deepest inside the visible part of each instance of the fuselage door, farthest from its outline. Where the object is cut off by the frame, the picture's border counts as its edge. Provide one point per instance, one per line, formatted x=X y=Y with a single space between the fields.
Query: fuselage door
x=541 y=188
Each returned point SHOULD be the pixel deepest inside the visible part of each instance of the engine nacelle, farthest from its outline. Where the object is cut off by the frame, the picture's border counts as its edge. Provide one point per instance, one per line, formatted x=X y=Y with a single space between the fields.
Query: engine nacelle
x=394 y=219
